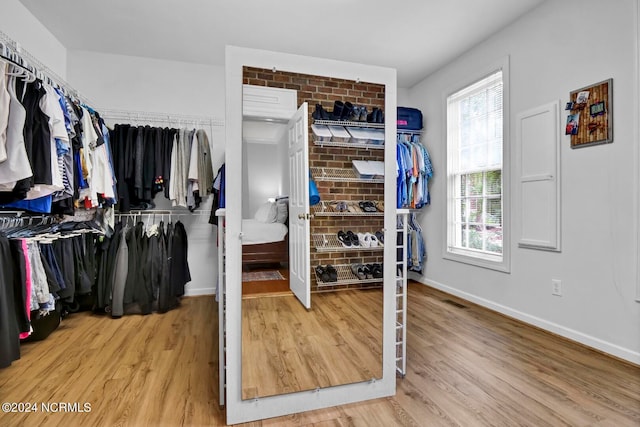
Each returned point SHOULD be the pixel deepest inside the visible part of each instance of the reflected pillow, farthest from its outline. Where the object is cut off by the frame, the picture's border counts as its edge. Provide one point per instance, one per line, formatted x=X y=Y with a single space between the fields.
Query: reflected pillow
x=266 y=213
x=282 y=210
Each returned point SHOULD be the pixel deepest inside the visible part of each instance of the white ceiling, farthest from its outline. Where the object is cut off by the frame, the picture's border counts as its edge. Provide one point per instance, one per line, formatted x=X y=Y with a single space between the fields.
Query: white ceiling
x=414 y=36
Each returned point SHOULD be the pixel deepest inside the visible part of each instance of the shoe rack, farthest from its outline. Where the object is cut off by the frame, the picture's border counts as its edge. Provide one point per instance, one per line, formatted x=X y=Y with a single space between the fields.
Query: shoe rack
x=337 y=181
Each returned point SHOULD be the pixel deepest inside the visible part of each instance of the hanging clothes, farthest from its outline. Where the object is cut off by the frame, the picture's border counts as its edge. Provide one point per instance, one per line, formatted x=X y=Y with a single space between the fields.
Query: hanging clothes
x=413 y=172
x=51 y=149
x=148 y=160
x=142 y=268
x=11 y=300
x=218 y=190
x=16 y=167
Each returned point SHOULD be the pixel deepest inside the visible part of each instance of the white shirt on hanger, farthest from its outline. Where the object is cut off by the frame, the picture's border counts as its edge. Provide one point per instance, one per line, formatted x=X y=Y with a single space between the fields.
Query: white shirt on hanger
x=5 y=99
x=17 y=165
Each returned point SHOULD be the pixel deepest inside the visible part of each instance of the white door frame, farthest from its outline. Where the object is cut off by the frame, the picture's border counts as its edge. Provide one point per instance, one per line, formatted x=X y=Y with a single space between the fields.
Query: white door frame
x=239 y=410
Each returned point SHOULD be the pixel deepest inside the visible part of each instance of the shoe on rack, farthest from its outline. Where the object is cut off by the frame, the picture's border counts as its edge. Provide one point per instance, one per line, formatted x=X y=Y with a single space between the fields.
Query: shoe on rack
x=363 y=114
x=332 y=272
x=376 y=271
x=380 y=236
x=371 y=117
x=317 y=115
x=373 y=240
x=344 y=238
x=341 y=206
x=368 y=271
x=322 y=273
x=353 y=238
x=338 y=107
x=355 y=114
x=358 y=271
x=347 y=111
x=365 y=240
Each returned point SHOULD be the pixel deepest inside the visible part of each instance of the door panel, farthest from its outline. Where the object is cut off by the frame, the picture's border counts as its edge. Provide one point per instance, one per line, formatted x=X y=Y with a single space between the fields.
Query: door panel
x=298 y=139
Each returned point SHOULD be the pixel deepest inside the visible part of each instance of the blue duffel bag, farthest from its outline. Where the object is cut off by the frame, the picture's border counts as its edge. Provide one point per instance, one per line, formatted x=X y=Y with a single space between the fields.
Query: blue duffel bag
x=409 y=118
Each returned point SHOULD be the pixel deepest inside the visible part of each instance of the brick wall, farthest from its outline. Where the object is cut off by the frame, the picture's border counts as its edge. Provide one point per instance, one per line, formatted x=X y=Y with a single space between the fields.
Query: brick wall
x=324 y=90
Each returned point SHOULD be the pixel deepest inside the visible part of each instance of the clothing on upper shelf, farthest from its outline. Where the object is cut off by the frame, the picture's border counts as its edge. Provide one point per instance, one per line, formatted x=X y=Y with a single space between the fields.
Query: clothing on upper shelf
x=413 y=171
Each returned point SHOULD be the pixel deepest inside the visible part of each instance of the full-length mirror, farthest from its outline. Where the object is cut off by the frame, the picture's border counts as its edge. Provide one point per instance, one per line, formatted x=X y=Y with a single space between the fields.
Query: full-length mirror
x=343 y=337
x=312 y=255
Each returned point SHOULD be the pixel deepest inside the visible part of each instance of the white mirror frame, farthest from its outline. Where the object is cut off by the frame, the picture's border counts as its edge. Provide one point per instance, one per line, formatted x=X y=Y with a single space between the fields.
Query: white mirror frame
x=238 y=410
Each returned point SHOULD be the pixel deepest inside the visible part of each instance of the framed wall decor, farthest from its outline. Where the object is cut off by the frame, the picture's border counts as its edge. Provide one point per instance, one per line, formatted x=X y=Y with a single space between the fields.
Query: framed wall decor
x=590 y=119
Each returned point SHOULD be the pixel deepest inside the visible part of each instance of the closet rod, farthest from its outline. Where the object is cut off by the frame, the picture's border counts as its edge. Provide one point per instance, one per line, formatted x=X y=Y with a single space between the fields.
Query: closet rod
x=146 y=116
x=16 y=55
x=166 y=212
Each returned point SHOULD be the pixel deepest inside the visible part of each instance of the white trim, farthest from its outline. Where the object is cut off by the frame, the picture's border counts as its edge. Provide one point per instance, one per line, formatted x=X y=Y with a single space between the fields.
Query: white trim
x=637 y=141
x=191 y=292
x=457 y=254
x=577 y=336
x=239 y=410
x=549 y=173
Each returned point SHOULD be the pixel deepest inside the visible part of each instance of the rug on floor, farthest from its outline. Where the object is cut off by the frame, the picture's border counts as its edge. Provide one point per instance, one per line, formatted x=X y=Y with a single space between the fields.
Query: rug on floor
x=256 y=276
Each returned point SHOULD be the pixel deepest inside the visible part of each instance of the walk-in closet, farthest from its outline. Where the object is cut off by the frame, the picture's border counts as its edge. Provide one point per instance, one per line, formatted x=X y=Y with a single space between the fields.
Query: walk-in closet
x=291 y=214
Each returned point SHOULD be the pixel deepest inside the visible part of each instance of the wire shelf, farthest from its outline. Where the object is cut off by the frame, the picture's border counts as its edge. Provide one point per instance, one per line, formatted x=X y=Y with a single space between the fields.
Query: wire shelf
x=328 y=208
x=349 y=123
x=346 y=277
x=367 y=146
x=330 y=243
x=341 y=175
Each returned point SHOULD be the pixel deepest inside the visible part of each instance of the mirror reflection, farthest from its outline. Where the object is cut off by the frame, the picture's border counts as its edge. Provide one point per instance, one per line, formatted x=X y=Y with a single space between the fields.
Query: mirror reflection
x=287 y=347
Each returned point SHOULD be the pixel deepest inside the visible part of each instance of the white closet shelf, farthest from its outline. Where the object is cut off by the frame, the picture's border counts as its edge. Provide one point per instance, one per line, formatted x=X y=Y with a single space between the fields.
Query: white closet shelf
x=349 y=123
x=341 y=175
x=346 y=277
x=349 y=145
x=328 y=208
x=330 y=243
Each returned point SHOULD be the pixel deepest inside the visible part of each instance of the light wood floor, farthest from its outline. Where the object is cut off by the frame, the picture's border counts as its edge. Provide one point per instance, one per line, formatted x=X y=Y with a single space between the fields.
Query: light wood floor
x=286 y=348
x=466 y=367
x=258 y=288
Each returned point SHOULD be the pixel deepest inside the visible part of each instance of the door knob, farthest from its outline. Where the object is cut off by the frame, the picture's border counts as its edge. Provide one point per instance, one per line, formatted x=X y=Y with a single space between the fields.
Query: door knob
x=301 y=216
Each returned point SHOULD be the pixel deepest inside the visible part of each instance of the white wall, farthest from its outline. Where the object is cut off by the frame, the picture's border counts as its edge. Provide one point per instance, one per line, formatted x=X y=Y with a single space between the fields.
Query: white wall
x=263 y=168
x=556 y=48
x=20 y=25
x=142 y=84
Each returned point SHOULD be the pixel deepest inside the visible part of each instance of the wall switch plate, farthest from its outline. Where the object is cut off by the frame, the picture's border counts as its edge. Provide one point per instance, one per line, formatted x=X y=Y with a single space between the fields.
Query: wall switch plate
x=556 y=287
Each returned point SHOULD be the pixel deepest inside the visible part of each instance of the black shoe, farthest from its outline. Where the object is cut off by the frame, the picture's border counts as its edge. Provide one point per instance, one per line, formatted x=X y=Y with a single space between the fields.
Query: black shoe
x=332 y=272
x=347 y=110
x=338 y=107
x=373 y=115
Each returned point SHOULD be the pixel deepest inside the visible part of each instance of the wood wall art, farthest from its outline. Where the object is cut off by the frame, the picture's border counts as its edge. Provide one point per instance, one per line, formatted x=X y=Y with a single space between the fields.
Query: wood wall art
x=590 y=118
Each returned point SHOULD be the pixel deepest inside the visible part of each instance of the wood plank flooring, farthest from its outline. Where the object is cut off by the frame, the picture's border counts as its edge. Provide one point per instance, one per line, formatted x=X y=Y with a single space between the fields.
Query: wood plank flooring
x=287 y=348
x=258 y=288
x=466 y=367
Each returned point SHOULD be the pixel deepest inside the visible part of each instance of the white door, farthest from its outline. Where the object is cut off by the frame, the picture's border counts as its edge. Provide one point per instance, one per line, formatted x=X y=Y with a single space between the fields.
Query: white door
x=299 y=258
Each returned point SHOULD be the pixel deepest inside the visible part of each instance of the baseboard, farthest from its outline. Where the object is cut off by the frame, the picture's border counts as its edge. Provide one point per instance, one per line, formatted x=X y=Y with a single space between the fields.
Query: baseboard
x=192 y=292
x=596 y=343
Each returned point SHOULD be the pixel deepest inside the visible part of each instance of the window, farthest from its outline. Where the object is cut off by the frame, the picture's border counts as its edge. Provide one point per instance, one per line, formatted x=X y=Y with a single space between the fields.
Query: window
x=475 y=131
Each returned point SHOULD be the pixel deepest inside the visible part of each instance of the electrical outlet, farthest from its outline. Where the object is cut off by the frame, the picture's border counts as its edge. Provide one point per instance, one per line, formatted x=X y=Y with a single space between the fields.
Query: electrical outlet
x=556 y=287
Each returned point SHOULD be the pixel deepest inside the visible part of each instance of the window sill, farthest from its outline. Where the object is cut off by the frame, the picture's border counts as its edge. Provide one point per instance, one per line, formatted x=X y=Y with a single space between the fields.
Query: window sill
x=498 y=263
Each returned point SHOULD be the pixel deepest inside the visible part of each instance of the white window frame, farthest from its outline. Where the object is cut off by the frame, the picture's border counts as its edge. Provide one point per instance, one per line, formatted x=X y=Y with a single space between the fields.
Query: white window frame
x=477 y=258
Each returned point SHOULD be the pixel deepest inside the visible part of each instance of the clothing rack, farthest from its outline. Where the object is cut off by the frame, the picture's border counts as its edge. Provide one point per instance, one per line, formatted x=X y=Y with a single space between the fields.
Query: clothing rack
x=145 y=117
x=12 y=52
x=135 y=214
